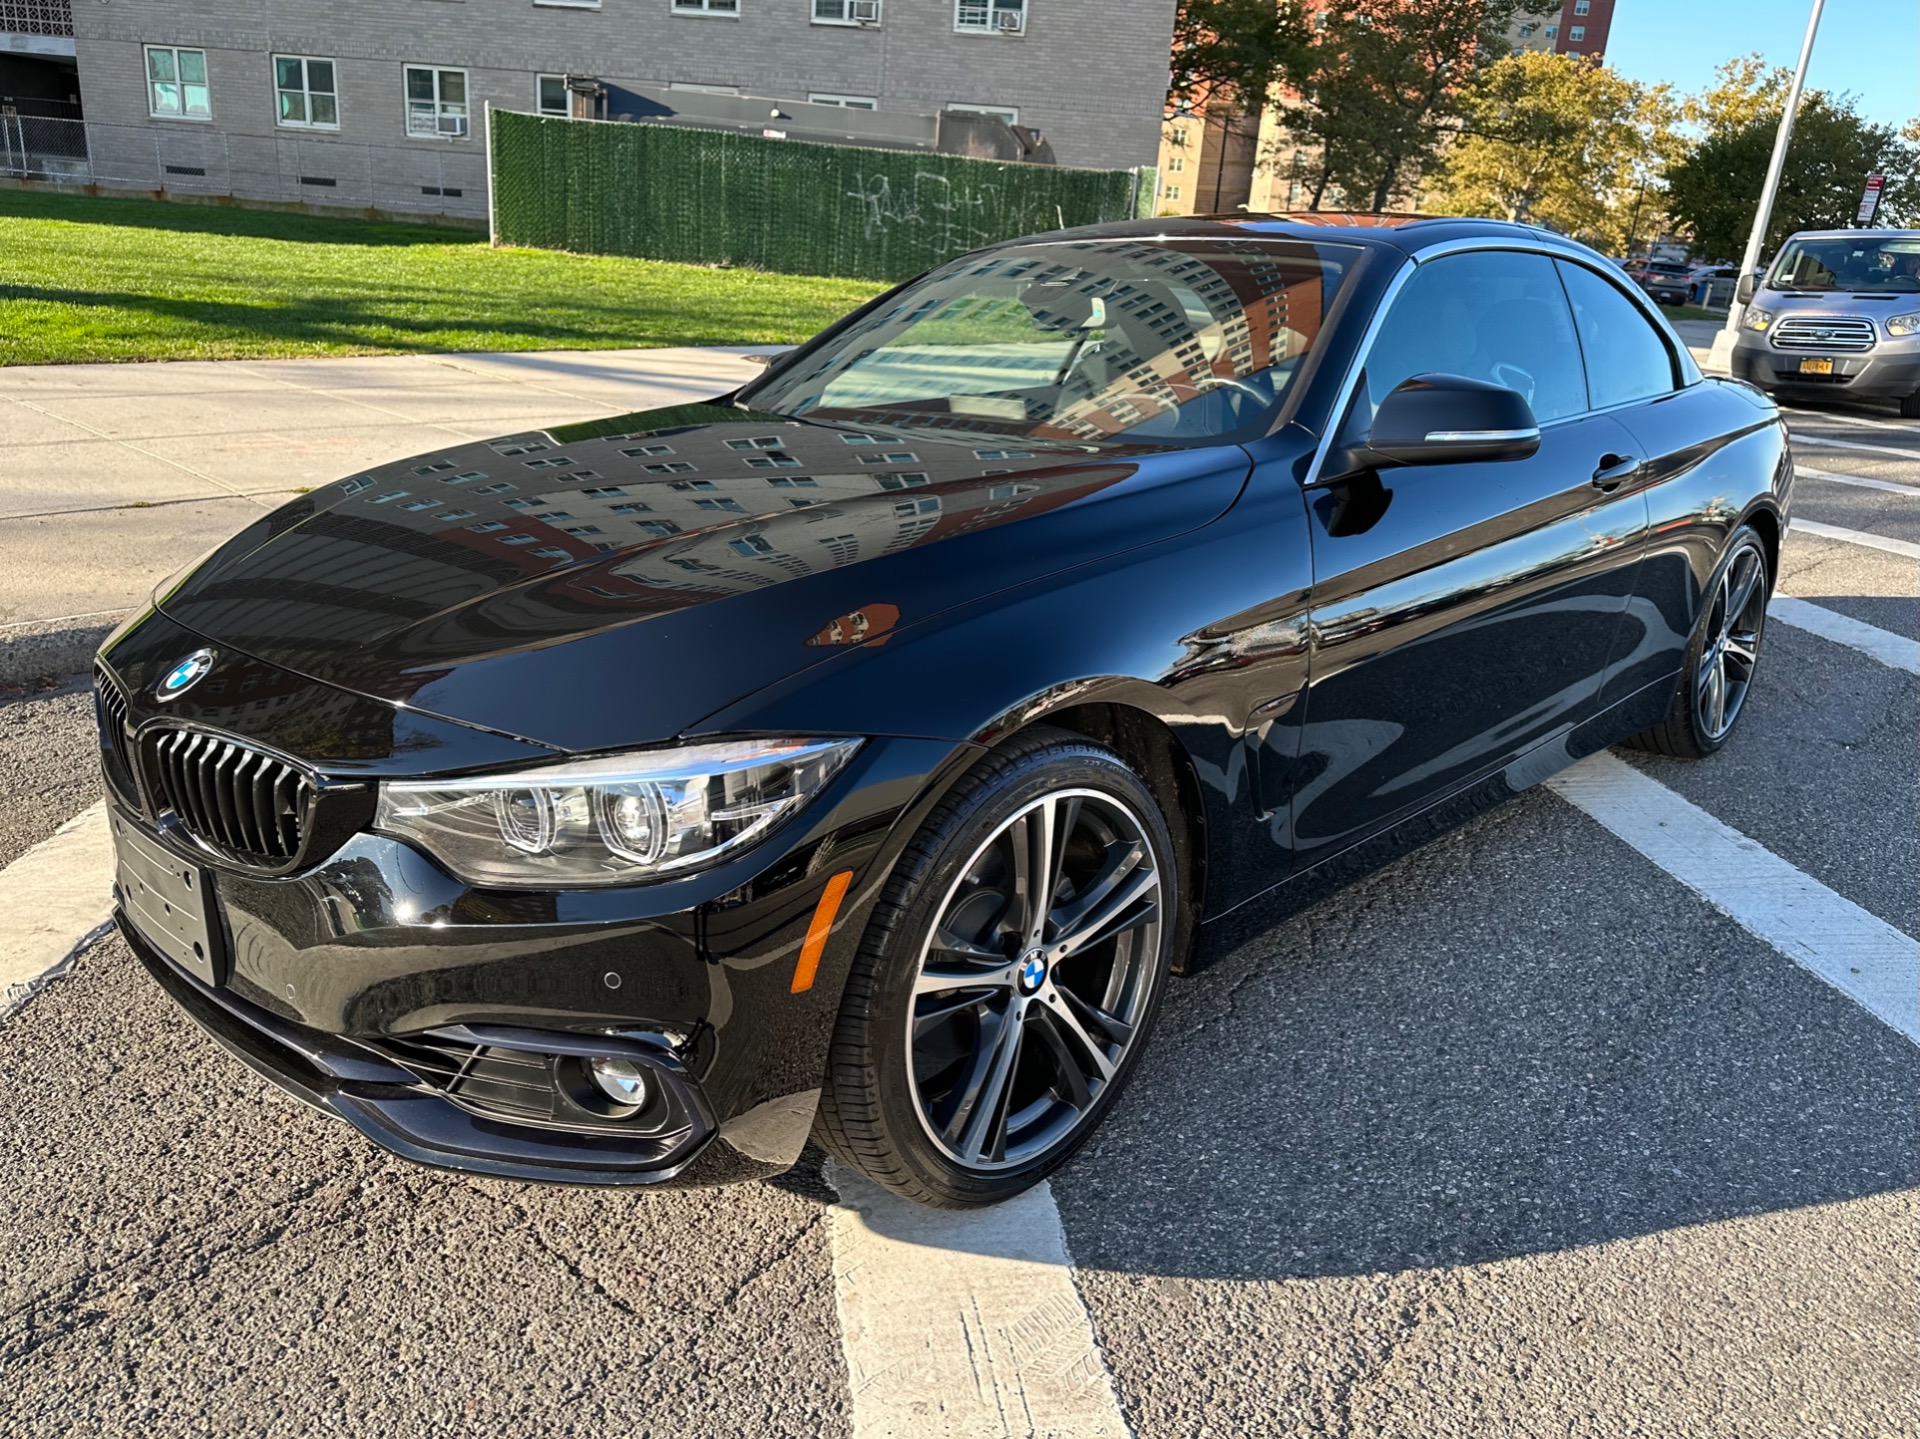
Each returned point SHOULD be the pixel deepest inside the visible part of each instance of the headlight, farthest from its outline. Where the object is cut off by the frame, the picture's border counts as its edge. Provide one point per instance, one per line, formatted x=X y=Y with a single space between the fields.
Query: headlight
x=1904 y=324
x=620 y=819
x=1756 y=318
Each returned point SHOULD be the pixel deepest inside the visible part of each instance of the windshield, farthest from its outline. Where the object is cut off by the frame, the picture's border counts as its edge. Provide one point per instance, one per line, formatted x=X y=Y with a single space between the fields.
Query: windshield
x=1081 y=342
x=1858 y=263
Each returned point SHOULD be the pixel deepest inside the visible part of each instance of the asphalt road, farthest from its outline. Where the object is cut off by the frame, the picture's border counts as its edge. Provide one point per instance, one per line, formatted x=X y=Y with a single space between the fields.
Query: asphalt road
x=1518 y=1137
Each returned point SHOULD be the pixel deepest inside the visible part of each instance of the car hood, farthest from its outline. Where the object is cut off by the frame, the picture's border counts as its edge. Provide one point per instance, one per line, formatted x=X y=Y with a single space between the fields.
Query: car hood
x=606 y=584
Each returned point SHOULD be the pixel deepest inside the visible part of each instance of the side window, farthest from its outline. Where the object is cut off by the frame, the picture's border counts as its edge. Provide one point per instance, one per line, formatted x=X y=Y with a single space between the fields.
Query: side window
x=1627 y=359
x=1497 y=315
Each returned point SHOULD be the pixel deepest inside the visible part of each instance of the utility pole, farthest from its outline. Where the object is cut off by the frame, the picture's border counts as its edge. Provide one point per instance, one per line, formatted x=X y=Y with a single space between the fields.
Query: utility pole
x=1721 y=356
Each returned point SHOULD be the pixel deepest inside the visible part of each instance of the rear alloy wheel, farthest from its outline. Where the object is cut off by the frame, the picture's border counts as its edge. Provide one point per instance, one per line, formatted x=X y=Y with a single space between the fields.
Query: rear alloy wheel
x=1721 y=657
x=997 y=1006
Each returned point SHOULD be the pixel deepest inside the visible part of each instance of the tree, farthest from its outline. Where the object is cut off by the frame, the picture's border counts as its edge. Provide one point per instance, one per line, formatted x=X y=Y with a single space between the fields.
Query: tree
x=1743 y=90
x=1231 y=52
x=1714 y=191
x=1558 y=140
x=1379 y=84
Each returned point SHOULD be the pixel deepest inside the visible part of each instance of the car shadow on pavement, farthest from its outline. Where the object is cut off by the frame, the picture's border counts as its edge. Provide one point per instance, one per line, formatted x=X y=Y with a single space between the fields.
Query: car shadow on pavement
x=1525 y=1039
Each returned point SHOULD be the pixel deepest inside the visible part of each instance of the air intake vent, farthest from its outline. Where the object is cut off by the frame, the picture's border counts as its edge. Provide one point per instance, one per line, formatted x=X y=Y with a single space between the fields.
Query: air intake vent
x=110 y=713
x=241 y=803
x=1835 y=334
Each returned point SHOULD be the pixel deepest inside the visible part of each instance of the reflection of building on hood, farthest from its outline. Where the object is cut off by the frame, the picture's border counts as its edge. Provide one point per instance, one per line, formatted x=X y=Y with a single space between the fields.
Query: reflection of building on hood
x=638 y=520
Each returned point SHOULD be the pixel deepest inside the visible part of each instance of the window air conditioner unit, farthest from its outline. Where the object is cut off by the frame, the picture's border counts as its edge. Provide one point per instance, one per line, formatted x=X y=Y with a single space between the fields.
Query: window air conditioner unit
x=453 y=126
x=864 y=12
x=1009 y=22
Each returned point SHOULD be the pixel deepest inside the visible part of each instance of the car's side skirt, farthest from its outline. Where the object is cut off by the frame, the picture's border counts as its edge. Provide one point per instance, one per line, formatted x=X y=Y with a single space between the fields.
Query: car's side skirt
x=1219 y=936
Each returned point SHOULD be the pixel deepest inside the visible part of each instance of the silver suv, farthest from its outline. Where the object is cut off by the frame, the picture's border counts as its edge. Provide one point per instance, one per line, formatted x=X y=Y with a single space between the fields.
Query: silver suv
x=1838 y=314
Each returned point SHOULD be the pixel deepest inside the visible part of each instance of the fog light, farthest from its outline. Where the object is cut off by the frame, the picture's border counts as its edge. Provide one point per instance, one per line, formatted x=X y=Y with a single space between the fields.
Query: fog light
x=624 y=1081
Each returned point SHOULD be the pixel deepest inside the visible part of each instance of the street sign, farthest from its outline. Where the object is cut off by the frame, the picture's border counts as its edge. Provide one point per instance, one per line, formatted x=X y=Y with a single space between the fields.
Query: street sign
x=1870 y=199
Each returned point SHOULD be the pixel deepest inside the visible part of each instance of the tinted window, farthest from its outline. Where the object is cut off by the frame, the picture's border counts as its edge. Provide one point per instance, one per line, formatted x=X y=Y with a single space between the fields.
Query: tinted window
x=1078 y=343
x=1496 y=315
x=1626 y=357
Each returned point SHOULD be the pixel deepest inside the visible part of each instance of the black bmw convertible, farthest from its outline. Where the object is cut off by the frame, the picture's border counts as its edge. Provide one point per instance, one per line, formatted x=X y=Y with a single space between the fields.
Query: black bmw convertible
x=857 y=755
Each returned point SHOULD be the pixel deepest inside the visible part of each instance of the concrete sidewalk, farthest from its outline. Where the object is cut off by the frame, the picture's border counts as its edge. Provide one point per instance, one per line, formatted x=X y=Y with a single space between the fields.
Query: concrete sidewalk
x=114 y=476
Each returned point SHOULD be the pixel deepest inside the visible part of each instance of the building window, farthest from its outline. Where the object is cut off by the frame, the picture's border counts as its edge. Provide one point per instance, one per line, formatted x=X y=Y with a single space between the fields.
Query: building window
x=1171 y=192
x=729 y=8
x=703 y=89
x=550 y=95
x=845 y=102
x=177 y=84
x=1176 y=163
x=306 y=93
x=988 y=16
x=1003 y=112
x=436 y=102
x=1577 y=34
x=846 y=12
x=1581 y=7
x=1553 y=32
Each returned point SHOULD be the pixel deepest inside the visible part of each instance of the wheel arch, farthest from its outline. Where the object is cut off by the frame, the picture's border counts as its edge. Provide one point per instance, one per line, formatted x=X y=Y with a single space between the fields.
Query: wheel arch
x=1155 y=750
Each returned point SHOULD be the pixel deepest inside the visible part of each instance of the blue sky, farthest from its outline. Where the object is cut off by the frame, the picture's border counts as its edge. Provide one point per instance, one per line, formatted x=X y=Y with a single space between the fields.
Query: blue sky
x=1868 y=47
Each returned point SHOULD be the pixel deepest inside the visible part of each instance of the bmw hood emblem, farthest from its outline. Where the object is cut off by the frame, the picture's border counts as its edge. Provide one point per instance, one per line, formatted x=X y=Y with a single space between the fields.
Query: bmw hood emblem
x=185 y=675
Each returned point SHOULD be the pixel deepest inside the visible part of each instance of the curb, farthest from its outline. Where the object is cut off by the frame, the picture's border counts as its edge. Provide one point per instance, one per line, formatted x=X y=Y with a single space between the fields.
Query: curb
x=37 y=648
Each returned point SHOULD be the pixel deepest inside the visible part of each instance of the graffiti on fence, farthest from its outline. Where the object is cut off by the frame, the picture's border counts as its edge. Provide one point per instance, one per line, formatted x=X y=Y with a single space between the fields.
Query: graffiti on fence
x=956 y=217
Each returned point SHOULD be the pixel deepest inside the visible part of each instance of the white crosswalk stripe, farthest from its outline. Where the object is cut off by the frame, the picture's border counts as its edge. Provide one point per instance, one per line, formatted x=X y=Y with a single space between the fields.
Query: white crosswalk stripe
x=1828 y=935
x=55 y=900
x=1865 y=538
x=1828 y=442
x=1896 y=651
x=1864 y=482
x=964 y=1325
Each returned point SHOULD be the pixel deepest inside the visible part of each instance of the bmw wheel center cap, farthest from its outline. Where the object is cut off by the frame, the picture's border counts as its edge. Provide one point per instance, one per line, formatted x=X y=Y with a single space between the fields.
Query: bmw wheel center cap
x=1033 y=972
x=185 y=675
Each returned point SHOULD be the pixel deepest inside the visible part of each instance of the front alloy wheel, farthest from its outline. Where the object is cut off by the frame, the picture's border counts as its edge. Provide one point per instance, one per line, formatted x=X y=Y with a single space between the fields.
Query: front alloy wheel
x=1009 y=976
x=1033 y=979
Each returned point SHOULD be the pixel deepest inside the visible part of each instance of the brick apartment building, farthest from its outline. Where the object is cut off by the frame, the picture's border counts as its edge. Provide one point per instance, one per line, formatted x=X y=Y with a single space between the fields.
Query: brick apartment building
x=1218 y=160
x=1580 y=27
x=381 y=103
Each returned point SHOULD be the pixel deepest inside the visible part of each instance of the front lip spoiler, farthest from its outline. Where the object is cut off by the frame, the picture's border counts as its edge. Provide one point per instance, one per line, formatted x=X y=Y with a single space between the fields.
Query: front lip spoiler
x=387 y=1104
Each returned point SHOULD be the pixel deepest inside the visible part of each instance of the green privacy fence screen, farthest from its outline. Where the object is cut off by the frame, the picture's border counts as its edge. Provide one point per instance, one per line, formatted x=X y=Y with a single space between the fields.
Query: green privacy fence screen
x=710 y=197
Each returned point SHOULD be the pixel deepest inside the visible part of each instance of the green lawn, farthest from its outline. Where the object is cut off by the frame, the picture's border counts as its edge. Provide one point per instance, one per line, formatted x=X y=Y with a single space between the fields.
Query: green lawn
x=83 y=278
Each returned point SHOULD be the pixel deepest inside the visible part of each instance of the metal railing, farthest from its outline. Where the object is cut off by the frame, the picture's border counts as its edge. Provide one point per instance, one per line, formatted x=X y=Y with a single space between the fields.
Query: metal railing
x=434 y=178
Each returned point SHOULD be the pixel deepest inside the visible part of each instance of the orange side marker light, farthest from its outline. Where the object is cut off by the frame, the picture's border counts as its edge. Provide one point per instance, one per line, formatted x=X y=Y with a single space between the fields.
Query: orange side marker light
x=823 y=916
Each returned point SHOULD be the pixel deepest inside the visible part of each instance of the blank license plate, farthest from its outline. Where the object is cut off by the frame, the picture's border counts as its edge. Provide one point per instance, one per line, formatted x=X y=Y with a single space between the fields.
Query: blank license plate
x=169 y=900
x=1816 y=367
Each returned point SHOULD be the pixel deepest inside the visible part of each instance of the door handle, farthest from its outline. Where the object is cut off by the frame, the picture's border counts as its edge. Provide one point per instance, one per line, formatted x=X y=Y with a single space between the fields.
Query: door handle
x=1615 y=471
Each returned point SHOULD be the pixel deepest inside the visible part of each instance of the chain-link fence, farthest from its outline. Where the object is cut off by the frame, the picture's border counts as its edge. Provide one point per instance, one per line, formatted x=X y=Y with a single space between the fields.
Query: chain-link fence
x=710 y=197
x=429 y=178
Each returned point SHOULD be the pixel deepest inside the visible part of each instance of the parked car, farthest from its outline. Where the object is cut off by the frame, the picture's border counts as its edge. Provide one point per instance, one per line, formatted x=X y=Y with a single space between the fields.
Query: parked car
x=1837 y=314
x=857 y=754
x=1668 y=282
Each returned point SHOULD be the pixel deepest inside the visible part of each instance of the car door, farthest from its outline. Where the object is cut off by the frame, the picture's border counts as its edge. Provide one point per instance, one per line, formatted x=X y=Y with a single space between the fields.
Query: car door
x=1690 y=436
x=1462 y=613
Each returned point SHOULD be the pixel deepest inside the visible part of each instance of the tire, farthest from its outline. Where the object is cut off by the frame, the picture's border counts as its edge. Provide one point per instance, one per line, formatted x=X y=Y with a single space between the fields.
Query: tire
x=1910 y=406
x=949 y=1118
x=1723 y=644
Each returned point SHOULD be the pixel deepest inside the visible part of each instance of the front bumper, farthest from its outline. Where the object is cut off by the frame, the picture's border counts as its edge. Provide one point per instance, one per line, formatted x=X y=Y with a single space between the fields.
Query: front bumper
x=363 y=980
x=1889 y=371
x=396 y=1108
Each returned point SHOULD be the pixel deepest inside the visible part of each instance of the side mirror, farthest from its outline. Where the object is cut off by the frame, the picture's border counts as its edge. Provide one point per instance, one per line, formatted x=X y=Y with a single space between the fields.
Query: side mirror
x=1440 y=420
x=1744 y=290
